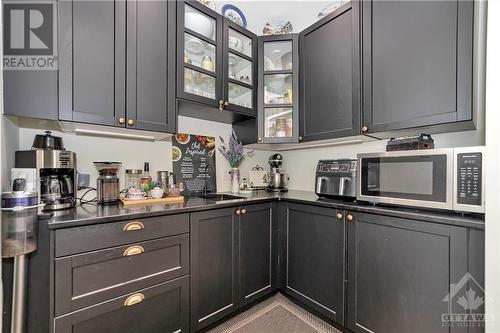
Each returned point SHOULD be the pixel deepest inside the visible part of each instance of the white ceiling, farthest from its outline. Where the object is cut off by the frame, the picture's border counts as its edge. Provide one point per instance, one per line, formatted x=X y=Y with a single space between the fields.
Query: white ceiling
x=258 y=12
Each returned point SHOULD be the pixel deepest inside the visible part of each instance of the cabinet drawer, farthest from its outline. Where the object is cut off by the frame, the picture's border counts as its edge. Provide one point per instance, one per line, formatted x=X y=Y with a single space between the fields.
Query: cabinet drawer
x=99 y=236
x=161 y=308
x=86 y=279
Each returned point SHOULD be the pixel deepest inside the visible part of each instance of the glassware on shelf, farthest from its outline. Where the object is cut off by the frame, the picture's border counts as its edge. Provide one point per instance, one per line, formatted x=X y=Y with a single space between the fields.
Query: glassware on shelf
x=278 y=122
x=199 y=84
x=199 y=22
x=239 y=68
x=239 y=95
x=278 y=56
x=199 y=53
x=278 y=89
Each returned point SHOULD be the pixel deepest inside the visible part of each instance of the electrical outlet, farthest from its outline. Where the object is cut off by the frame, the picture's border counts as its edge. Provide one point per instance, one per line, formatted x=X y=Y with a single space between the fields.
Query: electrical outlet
x=227 y=175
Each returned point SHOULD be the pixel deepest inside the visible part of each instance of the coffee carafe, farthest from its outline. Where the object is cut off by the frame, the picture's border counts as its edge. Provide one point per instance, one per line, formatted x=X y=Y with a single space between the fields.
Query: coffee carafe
x=108 y=183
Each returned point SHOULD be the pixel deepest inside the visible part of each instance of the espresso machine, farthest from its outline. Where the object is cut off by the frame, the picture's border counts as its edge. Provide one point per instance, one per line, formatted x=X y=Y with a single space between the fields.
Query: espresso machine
x=55 y=171
x=278 y=179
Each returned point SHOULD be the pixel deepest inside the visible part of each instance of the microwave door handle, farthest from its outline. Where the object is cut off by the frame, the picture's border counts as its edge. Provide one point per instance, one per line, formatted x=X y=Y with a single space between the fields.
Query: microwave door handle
x=342 y=182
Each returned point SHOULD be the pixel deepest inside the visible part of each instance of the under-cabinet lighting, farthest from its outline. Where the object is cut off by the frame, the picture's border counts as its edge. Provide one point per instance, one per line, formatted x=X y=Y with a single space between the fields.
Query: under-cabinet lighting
x=114 y=134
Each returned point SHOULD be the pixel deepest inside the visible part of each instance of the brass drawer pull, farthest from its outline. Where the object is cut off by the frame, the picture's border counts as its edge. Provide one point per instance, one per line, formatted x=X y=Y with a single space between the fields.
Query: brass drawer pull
x=135 y=225
x=350 y=217
x=339 y=216
x=134 y=299
x=238 y=212
x=133 y=250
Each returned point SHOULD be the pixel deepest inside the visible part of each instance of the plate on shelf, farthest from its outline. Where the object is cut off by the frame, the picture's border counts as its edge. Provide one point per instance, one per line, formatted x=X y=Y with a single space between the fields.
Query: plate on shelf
x=234 y=14
x=208 y=3
x=268 y=64
x=194 y=46
x=200 y=24
x=235 y=44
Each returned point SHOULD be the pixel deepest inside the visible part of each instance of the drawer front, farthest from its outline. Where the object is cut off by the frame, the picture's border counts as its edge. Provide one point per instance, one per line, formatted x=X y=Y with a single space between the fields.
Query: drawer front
x=86 y=279
x=99 y=236
x=161 y=308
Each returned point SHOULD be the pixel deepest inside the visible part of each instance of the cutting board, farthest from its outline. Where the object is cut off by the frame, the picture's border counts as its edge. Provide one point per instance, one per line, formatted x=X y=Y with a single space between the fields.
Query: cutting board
x=151 y=201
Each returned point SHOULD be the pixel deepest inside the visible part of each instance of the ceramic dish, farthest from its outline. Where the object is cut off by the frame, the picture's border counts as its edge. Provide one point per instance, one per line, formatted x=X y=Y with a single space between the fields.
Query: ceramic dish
x=268 y=64
x=199 y=23
x=235 y=44
x=234 y=14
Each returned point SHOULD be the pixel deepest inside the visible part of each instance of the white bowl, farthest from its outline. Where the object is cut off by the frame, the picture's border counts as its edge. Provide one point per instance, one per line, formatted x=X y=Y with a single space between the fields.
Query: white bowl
x=156 y=193
x=199 y=23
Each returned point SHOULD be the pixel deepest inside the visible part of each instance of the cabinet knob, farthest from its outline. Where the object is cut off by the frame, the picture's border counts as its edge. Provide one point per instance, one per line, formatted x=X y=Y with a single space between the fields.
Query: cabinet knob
x=243 y=211
x=221 y=105
x=238 y=212
x=134 y=299
x=300 y=138
x=134 y=225
x=339 y=216
x=260 y=140
x=364 y=129
x=350 y=217
x=131 y=122
x=121 y=120
x=226 y=104
x=133 y=250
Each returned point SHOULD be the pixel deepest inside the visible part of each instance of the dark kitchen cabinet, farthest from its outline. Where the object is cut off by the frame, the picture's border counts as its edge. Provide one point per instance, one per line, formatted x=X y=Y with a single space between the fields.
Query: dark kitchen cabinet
x=330 y=76
x=116 y=63
x=315 y=258
x=215 y=60
x=214 y=266
x=257 y=263
x=161 y=308
x=278 y=93
x=417 y=63
x=400 y=271
x=151 y=65
x=232 y=261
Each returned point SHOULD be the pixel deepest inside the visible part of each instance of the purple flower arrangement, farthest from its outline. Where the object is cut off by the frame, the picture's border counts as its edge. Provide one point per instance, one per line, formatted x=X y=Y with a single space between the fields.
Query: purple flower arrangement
x=234 y=151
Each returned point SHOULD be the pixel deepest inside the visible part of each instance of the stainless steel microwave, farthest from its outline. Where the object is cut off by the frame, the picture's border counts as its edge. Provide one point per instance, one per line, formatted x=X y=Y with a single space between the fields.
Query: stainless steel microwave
x=451 y=179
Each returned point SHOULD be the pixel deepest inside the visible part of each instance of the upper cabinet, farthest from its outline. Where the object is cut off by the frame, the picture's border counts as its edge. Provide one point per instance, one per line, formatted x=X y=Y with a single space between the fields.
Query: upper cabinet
x=278 y=89
x=330 y=76
x=215 y=60
x=417 y=63
x=116 y=63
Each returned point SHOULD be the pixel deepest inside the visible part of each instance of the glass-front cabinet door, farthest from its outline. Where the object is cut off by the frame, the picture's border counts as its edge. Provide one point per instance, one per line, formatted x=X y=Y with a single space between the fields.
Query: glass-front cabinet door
x=278 y=89
x=199 y=47
x=240 y=49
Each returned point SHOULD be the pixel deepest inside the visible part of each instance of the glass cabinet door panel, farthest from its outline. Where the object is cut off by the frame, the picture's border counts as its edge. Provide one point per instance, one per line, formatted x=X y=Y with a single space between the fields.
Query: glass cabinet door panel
x=239 y=95
x=278 y=122
x=199 y=53
x=239 y=42
x=199 y=84
x=278 y=56
x=278 y=89
x=199 y=22
x=239 y=68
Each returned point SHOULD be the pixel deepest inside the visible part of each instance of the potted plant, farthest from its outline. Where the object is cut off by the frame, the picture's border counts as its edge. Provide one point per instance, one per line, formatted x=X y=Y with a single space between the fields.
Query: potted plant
x=234 y=153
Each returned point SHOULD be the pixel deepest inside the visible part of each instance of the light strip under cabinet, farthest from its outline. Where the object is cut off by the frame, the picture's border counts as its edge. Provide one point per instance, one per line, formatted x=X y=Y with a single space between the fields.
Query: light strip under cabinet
x=114 y=134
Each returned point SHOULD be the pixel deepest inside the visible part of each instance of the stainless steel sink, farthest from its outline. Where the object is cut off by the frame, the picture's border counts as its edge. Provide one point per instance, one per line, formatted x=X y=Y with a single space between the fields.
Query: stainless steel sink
x=219 y=197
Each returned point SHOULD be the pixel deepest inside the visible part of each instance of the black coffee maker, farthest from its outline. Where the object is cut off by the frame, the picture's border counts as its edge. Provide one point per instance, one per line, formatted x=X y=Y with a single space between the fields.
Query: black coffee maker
x=56 y=171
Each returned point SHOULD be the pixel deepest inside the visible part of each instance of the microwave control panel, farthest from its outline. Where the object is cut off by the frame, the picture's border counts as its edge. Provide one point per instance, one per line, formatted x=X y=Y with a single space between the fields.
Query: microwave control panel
x=469 y=178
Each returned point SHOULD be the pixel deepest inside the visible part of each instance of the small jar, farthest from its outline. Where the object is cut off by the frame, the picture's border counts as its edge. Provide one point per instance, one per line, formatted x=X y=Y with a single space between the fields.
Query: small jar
x=133 y=178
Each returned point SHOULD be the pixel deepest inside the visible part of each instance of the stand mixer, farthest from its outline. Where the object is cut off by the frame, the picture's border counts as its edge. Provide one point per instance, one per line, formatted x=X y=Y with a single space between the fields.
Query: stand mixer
x=278 y=179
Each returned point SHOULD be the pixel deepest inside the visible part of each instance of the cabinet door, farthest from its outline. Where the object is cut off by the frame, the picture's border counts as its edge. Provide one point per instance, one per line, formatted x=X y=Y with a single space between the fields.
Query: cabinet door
x=417 y=63
x=162 y=308
x=213 y=266
x=240 y=81
x=329 y=71
x=315 y=249
x=92 y=61
x=399 y=273
x=151 y=65
x=199 y=54
x=278 y=97
x=255 y=252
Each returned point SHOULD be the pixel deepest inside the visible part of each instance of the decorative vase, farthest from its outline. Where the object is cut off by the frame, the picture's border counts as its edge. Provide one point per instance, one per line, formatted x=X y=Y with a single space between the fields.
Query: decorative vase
x=235 y=180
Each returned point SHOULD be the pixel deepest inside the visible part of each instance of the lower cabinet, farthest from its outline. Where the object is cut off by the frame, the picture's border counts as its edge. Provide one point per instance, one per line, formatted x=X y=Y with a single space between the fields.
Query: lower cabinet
x=231 y=261
x=399 y=273
x=315 y=252
x=161 y=308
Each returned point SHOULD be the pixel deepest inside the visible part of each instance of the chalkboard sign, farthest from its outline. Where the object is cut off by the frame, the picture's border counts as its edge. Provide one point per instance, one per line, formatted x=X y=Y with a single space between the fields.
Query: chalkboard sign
x=190 y=156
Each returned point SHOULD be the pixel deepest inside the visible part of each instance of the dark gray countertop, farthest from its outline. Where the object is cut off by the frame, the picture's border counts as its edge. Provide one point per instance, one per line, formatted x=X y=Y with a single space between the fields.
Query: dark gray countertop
x=92 y=213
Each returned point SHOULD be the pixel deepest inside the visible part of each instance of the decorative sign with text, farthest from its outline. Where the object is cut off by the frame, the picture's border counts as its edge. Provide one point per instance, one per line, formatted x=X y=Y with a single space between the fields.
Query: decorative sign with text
x=193 y=159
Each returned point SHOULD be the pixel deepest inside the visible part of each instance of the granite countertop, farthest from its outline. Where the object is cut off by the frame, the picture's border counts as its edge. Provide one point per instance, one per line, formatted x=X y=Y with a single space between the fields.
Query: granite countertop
x=91 y=213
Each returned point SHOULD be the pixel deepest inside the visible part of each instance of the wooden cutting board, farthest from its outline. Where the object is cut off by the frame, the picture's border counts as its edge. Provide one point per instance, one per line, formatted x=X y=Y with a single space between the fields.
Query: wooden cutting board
x=151 y=201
